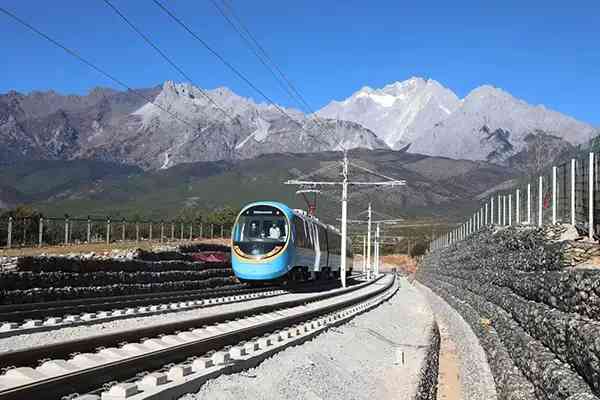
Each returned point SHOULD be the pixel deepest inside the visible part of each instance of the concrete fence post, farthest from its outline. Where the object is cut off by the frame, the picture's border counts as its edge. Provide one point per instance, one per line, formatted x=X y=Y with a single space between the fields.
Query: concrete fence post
x=529 y=203
x=540 y=200
x=212 y=231
x=553 y=195
x=172 y=231
x=573 y=191
x=137 y=232
x=191 y=230
x=510 y=209
x=518 y=207
x=499 y=210
x=9 y=237
x=66 y=230
x=504 y=210
x=41 y=232
x=123 y=230
x=150 y=231
x=485 y=218
x=108 y=230
x=201 y=230
x=492 y=210
x=88 y=235
x=181 y=232
x=162 y=231
x=591 y=198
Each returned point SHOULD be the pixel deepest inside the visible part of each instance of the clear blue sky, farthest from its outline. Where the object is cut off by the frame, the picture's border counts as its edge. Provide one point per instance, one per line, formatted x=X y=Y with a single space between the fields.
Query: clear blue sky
x=545 y=52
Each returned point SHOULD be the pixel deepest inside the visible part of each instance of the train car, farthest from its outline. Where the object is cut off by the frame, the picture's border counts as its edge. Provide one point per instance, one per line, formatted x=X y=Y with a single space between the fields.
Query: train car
x=271 y=241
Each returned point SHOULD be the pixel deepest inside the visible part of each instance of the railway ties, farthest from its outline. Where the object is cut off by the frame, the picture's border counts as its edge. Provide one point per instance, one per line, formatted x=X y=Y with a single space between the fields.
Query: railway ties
x=149 y=307
x=57 y=315
x=201 y=347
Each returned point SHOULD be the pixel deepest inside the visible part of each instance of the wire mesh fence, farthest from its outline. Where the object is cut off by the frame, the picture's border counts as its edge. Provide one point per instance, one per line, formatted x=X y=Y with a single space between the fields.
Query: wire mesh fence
x=568 y=193
x=16 y=232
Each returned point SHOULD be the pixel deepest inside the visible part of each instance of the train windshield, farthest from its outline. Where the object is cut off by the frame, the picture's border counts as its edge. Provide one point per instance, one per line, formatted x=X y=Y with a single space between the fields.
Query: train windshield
x=260 y=230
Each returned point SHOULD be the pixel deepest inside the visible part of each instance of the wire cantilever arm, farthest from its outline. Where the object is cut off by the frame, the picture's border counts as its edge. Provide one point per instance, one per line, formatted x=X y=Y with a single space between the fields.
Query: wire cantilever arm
x=377 y=173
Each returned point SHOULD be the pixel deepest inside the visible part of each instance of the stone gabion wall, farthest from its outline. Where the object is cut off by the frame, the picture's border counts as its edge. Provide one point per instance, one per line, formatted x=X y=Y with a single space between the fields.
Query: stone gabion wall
x=537 y=320
x=66 y=277
x=428 y=379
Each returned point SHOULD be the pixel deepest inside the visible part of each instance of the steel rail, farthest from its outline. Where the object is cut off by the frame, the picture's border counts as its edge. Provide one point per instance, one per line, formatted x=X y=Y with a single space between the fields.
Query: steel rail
x=88 y=379
x=22 y=312
x=30 y=357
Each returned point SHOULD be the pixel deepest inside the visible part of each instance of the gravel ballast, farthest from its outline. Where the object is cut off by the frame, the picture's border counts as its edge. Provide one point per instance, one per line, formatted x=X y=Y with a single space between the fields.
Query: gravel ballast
x=358 y=360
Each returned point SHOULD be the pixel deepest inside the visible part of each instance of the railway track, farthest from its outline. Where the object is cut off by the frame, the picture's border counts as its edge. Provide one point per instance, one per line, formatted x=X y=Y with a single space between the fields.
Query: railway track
x=108 y=309
x=168 y=343
x=112 y=310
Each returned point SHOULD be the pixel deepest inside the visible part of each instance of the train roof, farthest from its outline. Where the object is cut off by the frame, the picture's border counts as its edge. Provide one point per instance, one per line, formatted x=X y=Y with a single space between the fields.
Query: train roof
x=289 y=212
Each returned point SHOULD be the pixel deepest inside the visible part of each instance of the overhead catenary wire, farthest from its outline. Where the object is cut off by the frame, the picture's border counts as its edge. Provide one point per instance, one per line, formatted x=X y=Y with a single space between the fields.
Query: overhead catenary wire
x=169 y=60
x=85 y=61
x=264 y=57
x=230 y=66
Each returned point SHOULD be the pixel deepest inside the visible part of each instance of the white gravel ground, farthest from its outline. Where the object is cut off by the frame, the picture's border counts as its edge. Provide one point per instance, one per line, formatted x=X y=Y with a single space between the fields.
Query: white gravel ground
x=358 y=360
x=70 y=333
x=477 y=382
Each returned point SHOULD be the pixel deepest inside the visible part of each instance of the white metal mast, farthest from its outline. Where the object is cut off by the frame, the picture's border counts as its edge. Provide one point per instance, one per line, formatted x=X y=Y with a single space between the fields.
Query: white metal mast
x=369 y=243
x=345 y=183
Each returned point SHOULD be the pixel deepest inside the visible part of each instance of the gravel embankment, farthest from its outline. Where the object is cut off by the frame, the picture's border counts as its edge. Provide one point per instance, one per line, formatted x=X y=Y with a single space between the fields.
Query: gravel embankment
x=475 y=377
x=358 y=360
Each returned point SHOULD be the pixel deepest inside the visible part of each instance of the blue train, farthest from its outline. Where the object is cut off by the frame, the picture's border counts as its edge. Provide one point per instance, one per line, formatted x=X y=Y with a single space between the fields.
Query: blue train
x=271 y=241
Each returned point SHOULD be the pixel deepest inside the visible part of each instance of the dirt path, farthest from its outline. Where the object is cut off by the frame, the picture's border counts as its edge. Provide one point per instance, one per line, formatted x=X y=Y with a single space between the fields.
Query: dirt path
x=449 y=373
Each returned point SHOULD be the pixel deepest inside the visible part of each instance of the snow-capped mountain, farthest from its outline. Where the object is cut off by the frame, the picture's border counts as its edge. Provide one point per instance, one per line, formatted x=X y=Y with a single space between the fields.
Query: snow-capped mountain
x=399 y=112
x=488 y=124
x=492 y=125
x=118 y=126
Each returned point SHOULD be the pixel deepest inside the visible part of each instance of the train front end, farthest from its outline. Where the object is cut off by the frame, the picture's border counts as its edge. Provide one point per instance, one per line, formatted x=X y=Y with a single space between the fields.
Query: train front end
x=262 y=247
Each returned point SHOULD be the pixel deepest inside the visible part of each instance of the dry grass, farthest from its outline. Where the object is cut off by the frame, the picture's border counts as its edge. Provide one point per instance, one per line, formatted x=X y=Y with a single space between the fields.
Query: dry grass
x=101 y=247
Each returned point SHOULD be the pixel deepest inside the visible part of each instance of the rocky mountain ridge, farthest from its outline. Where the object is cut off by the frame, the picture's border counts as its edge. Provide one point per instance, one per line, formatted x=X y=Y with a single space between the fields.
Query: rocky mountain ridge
x=419 y=115
x=488 y=124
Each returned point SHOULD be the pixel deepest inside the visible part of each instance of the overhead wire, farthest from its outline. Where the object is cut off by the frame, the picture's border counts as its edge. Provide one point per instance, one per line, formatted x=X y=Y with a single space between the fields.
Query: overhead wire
x=169 y=60
x=85 y=61
x=230 y=66
x=264 y=57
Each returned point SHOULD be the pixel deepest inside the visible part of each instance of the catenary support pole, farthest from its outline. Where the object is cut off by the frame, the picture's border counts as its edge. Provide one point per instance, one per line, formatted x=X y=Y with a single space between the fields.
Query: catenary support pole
x=364 y=266
x=377 y=260
x=369 y=242
x=344 y=219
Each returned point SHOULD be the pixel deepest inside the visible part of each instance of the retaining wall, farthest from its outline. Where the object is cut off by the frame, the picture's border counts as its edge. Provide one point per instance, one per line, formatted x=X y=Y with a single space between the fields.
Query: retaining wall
x=536 y=320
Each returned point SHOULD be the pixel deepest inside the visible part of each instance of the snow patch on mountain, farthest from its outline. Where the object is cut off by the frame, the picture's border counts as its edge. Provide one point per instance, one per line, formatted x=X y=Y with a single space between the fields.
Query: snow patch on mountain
x=488 y=124
x=399 y=111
